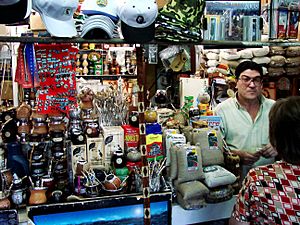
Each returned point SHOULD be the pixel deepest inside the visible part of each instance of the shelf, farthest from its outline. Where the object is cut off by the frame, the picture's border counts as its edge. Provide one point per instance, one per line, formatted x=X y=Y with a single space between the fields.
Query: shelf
x=106 y=77
x=208 y=44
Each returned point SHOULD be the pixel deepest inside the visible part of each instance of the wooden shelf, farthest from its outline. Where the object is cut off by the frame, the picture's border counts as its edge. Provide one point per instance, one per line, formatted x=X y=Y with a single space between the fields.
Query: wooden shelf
x=106 y=77
x=206 y=43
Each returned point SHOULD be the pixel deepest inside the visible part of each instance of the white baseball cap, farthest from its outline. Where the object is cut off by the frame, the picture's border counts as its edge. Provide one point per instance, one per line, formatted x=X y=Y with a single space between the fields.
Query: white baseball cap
x=57 y=16
x=98 y=26
x=107 y=8
x=138 y=19
x=13 y=11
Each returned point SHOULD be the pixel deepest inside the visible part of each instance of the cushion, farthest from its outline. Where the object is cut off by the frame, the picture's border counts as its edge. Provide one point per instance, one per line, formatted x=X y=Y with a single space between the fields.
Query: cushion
x=217 y=176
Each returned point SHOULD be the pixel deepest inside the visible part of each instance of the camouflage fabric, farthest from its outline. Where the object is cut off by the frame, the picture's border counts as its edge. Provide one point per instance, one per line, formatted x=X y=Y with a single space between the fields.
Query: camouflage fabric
x=184 y=15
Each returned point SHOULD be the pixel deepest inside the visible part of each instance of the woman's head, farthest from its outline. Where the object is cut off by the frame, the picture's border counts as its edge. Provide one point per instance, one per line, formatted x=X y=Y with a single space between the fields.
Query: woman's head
x=284 y=129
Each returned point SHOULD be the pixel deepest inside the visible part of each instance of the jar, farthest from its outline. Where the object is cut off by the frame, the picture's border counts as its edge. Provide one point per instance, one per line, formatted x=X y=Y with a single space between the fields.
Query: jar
x=75 y=113
x=18 y=196
x=111 y=182
x=23 y=111
x=40 y=128
x=118 y=159
x=6 y=178
x=57 y=126
x=4 y=201
x=57 y=136
x=38 y=196
x=38 y=117
x=91 y=127
x=134 y=118
x=23 y=126
x=76 y=133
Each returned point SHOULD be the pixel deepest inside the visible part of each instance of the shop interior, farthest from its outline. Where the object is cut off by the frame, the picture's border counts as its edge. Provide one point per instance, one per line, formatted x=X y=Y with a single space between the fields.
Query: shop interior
x=107 y=114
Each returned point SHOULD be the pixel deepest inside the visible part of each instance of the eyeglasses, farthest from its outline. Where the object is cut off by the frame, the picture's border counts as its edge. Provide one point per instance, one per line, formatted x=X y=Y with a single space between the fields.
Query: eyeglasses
x=247 y=80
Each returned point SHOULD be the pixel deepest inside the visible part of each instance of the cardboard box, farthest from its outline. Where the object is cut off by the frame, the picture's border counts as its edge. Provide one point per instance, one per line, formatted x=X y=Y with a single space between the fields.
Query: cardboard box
x=113 y=137
x=95 y=151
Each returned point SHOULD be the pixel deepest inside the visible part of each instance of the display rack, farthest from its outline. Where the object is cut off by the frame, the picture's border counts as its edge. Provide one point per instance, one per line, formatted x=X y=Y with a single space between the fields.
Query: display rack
x=213 y=44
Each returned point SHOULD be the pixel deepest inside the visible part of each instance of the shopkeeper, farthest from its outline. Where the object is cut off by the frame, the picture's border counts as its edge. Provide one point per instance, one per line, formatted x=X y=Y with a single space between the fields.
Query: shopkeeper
x=245 y=124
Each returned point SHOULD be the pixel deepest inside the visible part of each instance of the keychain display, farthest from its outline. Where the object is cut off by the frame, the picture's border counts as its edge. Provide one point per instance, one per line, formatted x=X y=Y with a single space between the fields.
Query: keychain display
x=56 y=69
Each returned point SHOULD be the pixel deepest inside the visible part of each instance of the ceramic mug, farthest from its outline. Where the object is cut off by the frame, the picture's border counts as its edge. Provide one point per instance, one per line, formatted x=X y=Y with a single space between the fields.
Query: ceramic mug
x=38 y=196
x=112 y=182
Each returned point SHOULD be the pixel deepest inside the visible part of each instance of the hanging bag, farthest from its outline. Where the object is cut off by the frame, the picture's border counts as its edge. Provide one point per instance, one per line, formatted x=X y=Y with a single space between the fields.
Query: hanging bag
x=6 y=81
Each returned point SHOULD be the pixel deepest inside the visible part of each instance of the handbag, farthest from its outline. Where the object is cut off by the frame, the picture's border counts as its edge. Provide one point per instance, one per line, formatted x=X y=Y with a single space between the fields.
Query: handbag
x=6 y=81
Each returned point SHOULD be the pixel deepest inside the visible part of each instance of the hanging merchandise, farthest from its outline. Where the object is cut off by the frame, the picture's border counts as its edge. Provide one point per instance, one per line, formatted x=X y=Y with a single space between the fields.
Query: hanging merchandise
x=98 y=19
x=56 y=65
x=6 y=77
x=57 y=16
x=26 y=72
x=180 y=21
x=13 y=11
x=138 y=20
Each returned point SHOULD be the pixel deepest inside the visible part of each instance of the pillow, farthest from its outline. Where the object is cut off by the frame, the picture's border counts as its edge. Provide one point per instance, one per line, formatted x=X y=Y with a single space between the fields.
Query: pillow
x=192 y=190
x=211 y=145
x=189 y=162
x=217 y=176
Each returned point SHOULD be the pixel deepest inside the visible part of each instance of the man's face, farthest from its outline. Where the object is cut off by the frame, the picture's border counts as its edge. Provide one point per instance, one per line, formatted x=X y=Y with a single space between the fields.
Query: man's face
x=249 y=84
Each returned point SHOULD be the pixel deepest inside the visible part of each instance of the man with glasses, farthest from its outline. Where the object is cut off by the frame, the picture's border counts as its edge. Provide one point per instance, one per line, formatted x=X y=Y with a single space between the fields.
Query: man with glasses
x=245 y=124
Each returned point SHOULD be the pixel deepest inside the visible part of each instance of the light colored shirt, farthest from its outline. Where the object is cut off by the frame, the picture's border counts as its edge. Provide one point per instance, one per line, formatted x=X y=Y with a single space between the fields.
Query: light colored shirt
x=242 y=133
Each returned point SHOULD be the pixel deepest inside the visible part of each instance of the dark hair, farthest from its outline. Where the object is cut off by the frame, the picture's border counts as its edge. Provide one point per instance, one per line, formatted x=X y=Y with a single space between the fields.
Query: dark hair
x=248 y=65
x=284 y=128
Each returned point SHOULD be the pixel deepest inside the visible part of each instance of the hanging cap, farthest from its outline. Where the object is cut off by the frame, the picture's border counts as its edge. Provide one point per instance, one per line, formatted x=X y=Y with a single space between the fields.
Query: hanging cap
x=57 y=16
x=105 y=8
x=138 y=20
x=13 y=11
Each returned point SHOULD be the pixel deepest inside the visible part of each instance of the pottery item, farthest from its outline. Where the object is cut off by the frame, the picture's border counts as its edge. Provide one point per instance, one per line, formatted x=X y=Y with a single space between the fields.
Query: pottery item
x=18 y=196
x=38 y=196
x=48 y=182
x=112 y=182
x=23 y=111
x=6 y=178
x=4 y=201
x=91 y=127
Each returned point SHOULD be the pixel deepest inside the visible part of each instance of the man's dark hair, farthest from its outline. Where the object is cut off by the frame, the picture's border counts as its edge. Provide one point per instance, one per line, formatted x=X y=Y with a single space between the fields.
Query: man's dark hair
x=248 y=65
x=284 y=128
